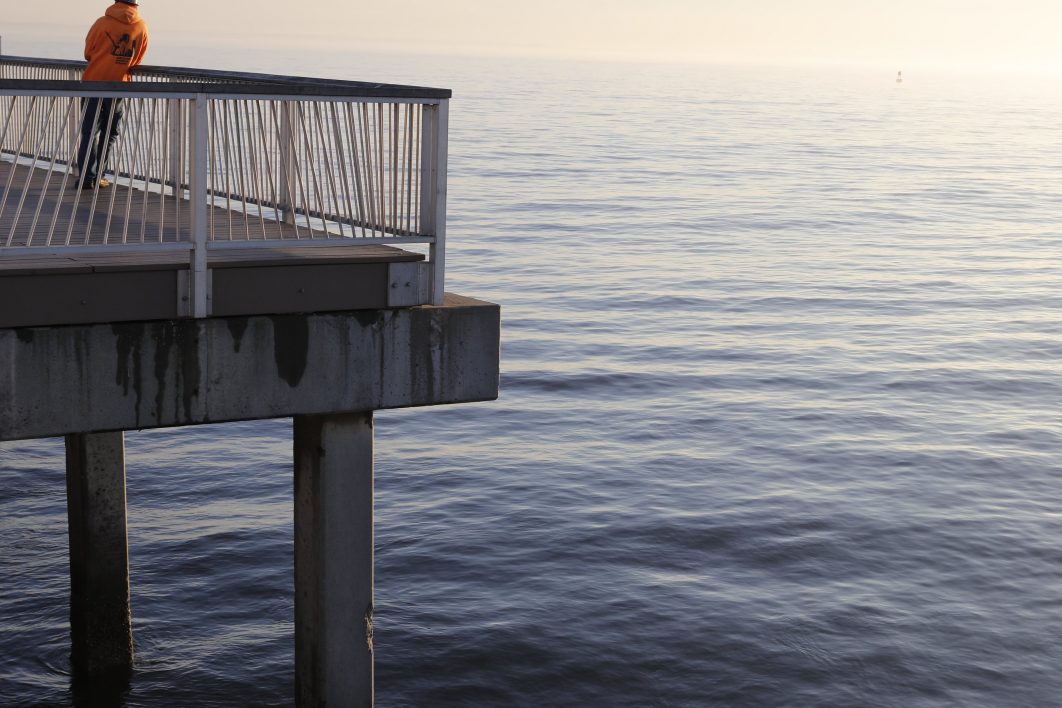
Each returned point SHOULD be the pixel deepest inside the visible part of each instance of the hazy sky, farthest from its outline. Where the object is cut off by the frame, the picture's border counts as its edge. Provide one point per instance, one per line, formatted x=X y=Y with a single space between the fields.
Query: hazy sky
x=900 y=33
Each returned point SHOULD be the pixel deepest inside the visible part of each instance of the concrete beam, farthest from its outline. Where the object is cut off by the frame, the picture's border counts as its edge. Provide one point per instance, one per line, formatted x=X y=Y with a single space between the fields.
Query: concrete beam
x=128 y=376
x=333 y=560
x=100 y=626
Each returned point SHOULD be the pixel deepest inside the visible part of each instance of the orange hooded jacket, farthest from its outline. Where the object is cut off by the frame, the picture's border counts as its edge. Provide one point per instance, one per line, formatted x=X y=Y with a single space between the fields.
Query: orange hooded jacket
x=115 y=44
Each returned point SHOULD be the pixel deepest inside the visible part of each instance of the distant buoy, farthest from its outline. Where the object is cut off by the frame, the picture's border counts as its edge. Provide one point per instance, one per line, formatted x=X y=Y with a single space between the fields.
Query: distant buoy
x=899 y=77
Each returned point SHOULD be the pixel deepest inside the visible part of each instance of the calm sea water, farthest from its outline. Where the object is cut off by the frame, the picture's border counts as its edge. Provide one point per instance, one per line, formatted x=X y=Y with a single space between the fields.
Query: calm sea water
x=779 y=422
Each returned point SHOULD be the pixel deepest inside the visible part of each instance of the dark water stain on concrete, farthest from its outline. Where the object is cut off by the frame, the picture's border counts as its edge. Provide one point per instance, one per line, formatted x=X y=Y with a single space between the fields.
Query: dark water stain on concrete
x=188 y=343
x=423 y=334
x=163 y=336
x=128 y=339
x=368 y=318
x=25 y=335
x=237 y=327
x=291 y=344
x=178 y=340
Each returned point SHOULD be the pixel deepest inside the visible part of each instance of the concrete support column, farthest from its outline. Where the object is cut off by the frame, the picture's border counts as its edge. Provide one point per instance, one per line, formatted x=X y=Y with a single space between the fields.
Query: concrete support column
x=100 y=625
x=333 y=560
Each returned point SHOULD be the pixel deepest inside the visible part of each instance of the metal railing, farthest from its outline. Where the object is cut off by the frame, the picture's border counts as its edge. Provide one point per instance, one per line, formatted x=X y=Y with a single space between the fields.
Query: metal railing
x=209 y=159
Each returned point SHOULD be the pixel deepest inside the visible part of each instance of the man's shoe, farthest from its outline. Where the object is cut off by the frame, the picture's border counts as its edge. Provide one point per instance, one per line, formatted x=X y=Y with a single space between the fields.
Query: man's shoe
x=91 y=183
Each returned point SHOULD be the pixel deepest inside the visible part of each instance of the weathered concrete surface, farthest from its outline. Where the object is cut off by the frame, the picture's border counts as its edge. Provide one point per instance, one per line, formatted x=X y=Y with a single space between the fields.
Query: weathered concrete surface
x=334 y=560
x=100 y=626
x=90 y=378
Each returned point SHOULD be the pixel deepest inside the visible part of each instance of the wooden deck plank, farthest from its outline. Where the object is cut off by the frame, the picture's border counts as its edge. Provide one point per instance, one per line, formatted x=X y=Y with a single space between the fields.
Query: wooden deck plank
x=290 y=255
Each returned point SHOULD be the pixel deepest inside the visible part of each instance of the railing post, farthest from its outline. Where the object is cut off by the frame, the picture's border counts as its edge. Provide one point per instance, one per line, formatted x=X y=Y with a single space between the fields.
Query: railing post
x=176 y=174
x=436 y=185
x=198 y=203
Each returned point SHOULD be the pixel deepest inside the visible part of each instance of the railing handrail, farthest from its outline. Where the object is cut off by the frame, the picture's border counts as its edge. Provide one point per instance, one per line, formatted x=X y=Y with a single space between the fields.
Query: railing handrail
x=375 y=91
x=221 y=82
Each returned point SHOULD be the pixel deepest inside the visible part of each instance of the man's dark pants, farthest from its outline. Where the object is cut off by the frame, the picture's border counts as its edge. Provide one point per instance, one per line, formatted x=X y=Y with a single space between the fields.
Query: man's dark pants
x=101 y=120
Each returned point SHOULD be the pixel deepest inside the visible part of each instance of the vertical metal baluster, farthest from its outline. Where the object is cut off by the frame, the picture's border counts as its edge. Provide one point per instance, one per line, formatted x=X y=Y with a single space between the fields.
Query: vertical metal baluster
x=212 y=178
x=130 y=161
x=327 y=167
x=148 y=153
x=254 y=149
x=370 y=172
x=232 y=162
x=8 y=114
x=295 y=107
x=177 y=134
x=359 y=191
x=309 y=162
x=395 y=219
x=116 y=163
x=56 y=150
x=330 y=154
x=245 y=193
x=275 y=172
x=403 y=224
x=398 y=178
x=31 y=171
x=301 y=184
x=135 y=146
x=170 y=142
x=380 y=152
x=311 y=170
x=407 y=167
x=281 y=112
x=411 y=117
x=14 y=162
x=132 y=145
x=74 y=126
x=378 y=188
x=100 y=169
x=158 y=162
x=75 y=140
x=418 y=128
x=226 y=151
x=269 y=136
x=341 y=156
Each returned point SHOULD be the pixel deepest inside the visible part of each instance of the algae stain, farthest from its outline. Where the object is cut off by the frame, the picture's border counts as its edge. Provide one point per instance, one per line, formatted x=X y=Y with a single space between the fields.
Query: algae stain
x=163 y=336
x=129 y=339
x=237 y=327
x=291 y=344
x=180 y=340
x=190 y=369
x=369 y=318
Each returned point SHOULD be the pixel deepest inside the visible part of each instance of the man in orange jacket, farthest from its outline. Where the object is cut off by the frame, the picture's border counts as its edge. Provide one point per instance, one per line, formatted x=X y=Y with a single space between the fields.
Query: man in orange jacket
x=115 y=44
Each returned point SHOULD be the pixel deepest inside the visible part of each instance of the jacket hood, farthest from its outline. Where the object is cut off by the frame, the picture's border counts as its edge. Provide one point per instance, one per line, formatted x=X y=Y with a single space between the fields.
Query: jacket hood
x=129 y=14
